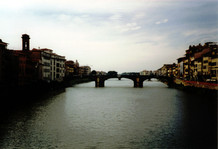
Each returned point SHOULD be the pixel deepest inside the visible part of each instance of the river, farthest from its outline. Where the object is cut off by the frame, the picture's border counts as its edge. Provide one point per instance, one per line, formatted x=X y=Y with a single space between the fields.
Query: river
x=116 y=116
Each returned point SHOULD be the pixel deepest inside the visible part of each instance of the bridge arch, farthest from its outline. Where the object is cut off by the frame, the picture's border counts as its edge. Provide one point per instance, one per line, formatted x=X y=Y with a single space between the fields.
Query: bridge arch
x=117 y=82
x=137 y=79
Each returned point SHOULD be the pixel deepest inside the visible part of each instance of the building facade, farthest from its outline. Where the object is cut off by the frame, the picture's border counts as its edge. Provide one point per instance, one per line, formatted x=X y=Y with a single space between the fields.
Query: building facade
x=84 y=70
x=25 y=67
x=51 y=67
x=57 y=67
x=71 y=68
x=199 y=64
x=145 y=73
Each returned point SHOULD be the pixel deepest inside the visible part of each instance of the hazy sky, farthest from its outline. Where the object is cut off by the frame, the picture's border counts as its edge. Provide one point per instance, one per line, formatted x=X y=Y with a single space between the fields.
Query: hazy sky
x=121 y=35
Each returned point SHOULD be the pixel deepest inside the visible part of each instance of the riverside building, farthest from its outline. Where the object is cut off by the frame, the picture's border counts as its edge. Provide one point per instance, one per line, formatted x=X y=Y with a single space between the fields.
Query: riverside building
x=26 y=67
x=200 y=63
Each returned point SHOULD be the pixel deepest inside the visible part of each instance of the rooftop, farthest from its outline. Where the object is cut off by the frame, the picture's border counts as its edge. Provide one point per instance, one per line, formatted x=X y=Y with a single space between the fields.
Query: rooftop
x=3 y=43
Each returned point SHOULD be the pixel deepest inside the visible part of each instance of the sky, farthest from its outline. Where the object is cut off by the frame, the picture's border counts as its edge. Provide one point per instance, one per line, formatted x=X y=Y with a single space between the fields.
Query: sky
x=120 y=35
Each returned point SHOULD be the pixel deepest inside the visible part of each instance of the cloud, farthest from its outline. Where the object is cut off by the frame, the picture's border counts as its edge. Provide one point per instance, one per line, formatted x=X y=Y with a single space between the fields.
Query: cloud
x=139 y=16
x=115 y=17
x=161 y=22
x=64 y=17
x=133 y=26
x=197 y=32
x=106 y=34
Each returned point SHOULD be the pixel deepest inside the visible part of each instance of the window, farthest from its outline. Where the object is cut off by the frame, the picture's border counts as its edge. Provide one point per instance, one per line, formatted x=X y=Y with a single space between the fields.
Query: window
x=213 y=64
x=213 y=73
x=46 y=64
x=46 y=70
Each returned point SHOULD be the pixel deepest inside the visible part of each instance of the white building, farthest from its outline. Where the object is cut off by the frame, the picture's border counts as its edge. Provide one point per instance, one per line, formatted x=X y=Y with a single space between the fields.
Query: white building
x=57 y=67
x=46 y=61
x=51 y=66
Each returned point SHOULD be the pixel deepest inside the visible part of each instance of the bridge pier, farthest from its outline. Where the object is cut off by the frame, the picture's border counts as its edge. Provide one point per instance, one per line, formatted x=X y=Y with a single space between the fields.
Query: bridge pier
x=99 y=82
x=138 y=82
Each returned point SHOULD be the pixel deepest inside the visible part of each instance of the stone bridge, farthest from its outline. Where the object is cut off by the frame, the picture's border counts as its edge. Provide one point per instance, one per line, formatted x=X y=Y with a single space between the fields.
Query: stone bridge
x=137 y=79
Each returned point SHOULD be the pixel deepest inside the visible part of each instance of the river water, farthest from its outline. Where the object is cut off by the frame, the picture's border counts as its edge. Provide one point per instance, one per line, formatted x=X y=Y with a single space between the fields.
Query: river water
x=116 y=116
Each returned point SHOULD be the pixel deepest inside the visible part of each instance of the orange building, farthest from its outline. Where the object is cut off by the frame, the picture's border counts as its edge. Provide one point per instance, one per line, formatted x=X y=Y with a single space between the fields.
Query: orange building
x=27 y=73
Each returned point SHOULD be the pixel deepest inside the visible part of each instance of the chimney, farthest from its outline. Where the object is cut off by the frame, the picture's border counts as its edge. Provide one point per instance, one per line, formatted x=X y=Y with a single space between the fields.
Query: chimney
x=25 y=42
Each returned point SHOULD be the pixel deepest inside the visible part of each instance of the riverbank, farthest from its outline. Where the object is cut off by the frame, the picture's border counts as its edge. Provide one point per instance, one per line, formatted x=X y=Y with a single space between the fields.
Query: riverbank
x=196 y=84
x=78 y=80
x=36 y=89
x=211 y=89
x=12 y=98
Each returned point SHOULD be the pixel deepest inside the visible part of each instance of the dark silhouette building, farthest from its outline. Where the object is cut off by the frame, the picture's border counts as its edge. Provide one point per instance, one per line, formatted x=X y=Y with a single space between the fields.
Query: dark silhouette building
x=3 y=48
x=8 y=66
x=27 y=74
x=25 y=42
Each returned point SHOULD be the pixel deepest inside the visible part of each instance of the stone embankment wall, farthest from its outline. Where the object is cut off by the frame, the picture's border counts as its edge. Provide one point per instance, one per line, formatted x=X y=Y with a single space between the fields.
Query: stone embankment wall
x=196 y=84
